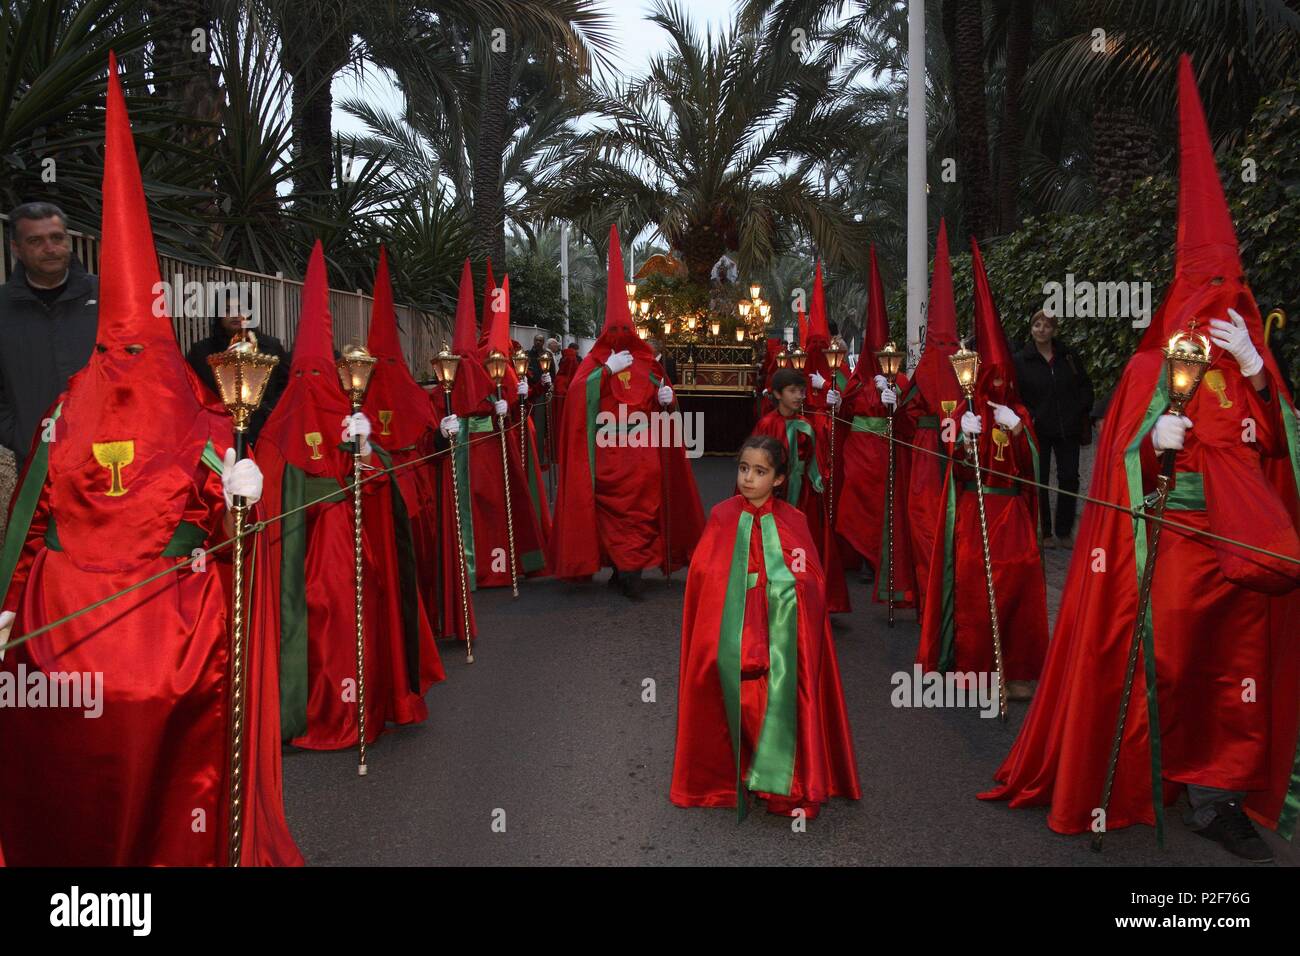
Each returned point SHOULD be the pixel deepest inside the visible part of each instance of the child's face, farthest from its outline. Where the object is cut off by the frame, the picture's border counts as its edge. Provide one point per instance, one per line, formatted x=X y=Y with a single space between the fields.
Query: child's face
x=756 y=476
x=790 y=399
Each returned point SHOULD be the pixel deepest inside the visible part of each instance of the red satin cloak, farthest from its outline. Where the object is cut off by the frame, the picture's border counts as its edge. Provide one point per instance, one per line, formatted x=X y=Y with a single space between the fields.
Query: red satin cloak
x=146 y=782
x=635 y=494
x=704 y=770
x=812 y=504
x=956 y=610
x=860 y=506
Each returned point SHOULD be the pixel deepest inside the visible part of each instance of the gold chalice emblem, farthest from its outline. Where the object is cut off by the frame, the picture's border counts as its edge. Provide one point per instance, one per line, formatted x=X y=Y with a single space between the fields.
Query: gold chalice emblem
x=114 y=455
x=948 y=408
x=625 y=378
x=1215 y=383
x=385 y=416
x=313 y=440
x=1002 y=440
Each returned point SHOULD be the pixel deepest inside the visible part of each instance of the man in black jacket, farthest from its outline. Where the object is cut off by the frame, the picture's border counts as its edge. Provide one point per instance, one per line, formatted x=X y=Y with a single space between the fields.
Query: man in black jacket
x=1055 y=387
x=49 y=314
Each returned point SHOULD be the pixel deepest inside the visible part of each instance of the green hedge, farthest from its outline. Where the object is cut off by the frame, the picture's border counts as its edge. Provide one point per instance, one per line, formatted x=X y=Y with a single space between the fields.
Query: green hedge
x=1133 y=241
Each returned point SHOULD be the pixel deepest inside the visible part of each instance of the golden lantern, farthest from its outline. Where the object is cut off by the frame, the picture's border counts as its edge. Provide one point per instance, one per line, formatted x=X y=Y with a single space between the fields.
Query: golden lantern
x=643 y=332
x=242 y=374
x=520 y=359
x=755 y=291
x=691 y=322
x=740 y=335
x=715 y=328
x=630 y=289
x=834 y=356
x=496 y=364
x=783 y=358
x=966 y=365
x=544 y=360
x=354 y=370
x=744 y=308
x=891 y=361
x=645 y=307
x=798 y=359
x=445 y=364
x=668 y=328
x=1187 y=356
x=765 y=311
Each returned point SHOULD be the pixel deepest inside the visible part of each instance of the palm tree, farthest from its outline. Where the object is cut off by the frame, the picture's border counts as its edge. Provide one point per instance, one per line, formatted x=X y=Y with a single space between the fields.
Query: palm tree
x=724 y=144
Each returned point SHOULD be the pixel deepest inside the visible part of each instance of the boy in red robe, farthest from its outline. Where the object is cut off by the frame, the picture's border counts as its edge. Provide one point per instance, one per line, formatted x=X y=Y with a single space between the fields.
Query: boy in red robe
x=956 y=632
x=860 y=510
x=630 y=499
x=760 y=705
x=306 y=452
x=410 y=426
x=137 y=474
x=804 y=488
x=926 y=406
x=1219 y=646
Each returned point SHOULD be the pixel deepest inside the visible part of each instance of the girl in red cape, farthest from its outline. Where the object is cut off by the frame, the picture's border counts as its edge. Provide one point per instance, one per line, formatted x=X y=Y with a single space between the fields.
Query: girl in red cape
x=931 y=399
x=310 y=599
x=626 y=497
x=860 y=510
x=956 y=633
x=805 y=489
x=760 y=707
x=1217 y=693
x=134 y=477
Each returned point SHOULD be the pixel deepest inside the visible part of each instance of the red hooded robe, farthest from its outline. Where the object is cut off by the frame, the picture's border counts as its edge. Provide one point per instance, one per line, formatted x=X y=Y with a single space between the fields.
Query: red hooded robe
x=1218 y=614
x=311 y=599
x=127 y=787
x=636 y=495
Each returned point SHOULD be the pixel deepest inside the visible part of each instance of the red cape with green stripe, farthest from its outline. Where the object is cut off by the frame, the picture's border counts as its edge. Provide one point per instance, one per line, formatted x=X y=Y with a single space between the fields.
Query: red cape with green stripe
x=704 y=766
x=1199 y=726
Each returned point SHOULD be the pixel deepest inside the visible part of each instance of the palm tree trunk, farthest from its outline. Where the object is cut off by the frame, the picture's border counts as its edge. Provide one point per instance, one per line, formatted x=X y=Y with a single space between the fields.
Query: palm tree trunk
x=489 y=191
x=1020 y=34
x=1123 y=151
x=964 y=23
x=314 y=46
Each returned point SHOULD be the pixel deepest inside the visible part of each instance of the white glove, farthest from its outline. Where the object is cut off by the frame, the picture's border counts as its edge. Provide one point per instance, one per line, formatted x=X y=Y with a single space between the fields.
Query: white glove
x=449 y=426
x=618 y=361
x=665 y=395
x=817 y=381
x=546 y=378
x=358 y=426
x=832 y=397
x=500 y=407
x=887 y=394
x=1234 y=338
x=1169 y=432
x=1005 y=416
x=240 y=478
x=971 y=424
x=523 y=390
x=881 y=382
x=6 y=625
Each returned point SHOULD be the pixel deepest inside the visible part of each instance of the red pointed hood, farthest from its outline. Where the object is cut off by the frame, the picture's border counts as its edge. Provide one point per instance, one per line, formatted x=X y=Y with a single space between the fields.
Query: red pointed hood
x=496 y=337
x=997 y=366
x=384 y=341
x=313 y=403
x=876 y=326
x=617 y=313
x=934 y=377
x=803 y=329
x=145 y=403
x=399 y=410
x=819 y=333
x=464 y=334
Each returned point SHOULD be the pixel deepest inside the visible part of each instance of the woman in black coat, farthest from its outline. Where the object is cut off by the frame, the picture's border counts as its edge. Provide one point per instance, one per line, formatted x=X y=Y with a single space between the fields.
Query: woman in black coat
x=1055 y=387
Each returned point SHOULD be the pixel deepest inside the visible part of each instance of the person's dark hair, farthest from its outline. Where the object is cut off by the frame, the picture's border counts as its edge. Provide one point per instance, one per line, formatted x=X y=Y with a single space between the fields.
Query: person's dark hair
x=785 y=377
x=35 y=211
x=833 y=327
x=775 y=451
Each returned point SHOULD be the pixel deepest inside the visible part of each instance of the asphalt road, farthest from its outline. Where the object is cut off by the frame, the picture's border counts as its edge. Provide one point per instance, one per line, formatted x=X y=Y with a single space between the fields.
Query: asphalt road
x=547 y=733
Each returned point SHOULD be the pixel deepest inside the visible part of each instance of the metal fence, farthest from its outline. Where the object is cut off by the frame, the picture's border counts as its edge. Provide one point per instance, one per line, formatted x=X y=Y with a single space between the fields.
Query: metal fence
x=278 y=300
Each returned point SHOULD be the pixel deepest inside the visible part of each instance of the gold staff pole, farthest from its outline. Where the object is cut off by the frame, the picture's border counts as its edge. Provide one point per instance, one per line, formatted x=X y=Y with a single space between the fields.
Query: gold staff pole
x=354 y=370
x=520 y=362
x=890 y=361
x=834 y=359
x=545 y=361
x=1187 y=356
x=496 y=369
x=967 y=364
x=242 y=373
x=445 y=365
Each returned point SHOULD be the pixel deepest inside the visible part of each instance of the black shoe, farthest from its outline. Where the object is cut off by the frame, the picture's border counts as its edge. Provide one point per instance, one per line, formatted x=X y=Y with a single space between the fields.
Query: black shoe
x=615 y=582
x=1233 y=830
x=633 y=586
